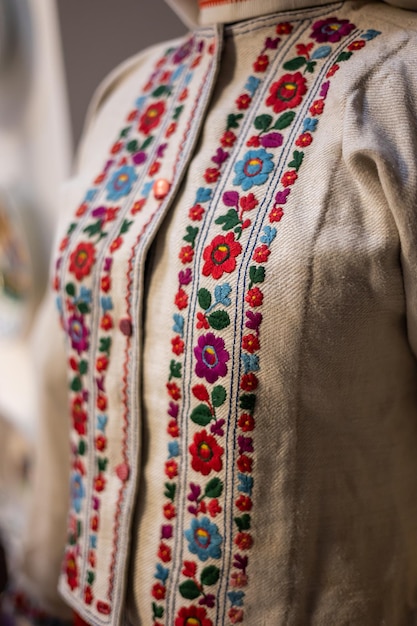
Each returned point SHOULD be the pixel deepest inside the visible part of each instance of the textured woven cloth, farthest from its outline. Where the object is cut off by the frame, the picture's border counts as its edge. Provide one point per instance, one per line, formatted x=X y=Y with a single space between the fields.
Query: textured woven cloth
x=235 y=282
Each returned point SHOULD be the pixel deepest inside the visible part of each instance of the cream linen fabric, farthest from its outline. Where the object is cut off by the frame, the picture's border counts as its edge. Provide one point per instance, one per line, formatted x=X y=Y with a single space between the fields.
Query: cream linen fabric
x=334 y=517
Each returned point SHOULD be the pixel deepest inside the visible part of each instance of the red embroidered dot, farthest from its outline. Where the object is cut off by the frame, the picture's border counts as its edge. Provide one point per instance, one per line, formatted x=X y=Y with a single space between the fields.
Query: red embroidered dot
x=103 y=608
x=125 y=326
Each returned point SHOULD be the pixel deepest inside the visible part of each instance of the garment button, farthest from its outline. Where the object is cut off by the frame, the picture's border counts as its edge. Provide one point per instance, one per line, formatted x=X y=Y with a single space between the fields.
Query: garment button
x=125 y=326
x=160 y=188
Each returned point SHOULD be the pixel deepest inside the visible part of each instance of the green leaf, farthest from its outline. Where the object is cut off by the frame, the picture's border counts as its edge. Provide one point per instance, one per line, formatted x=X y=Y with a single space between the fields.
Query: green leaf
x=204 y=298
x=189 y=590
x=247 y=402
x=263 y=122
x=174 y=369
x=76 y=384
x=201 y=415
x=146 y=143
x=79 y=528
x=102 y=464
x=159 y=91
x=284 y=120
x=158 y=611
x=83 y=367
x=93 y=229
x=218 y=396
x=219 y=320
x=191 y=235
x=105 y=343
x=243 y=522
x=310 y=66
x=133 y=146
x=214 y=488
x=125 y=131
x=343 y=56
x=125 y=226
x=90 y=577
x=210 y=575
x=83 y=307
x=297 y=159
x=229 y=221
x=82 y=447
x=257 y=274
x=71 y=228
x=233 y=120
x=170 y=489
x=177 y=112
x=294 y=64
x=70 y=289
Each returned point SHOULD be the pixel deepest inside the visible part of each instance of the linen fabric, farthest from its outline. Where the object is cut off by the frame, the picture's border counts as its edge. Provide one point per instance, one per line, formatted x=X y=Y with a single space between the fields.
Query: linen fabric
x=240 y=350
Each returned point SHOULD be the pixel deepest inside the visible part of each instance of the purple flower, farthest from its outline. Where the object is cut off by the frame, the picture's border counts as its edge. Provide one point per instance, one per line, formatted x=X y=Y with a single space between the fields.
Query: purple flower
x=78 y=333
x=231 y=198
x=183 y=52
x=173 y=410
x=331 y=29
x=139 y=158
x=100 y=211
x=281 y=196
x=100 y=383
x=195 y=491
x=107 y=264
x=272 y=140
x=272 y=44
x=220 y=156
x=217 y=428
x=324 y=89
x=245 y=444
x=254 y=320
x=185 y=277
x=211 y=358
x=166 y=531
x=207 y=600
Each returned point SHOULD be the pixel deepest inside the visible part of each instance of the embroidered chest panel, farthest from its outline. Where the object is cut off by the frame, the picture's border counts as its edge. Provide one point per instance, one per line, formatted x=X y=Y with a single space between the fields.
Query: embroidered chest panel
x=206 y=542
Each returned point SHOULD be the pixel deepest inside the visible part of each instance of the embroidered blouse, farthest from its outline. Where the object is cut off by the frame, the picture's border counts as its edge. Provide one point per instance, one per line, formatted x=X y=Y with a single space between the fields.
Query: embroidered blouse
x=236 y=283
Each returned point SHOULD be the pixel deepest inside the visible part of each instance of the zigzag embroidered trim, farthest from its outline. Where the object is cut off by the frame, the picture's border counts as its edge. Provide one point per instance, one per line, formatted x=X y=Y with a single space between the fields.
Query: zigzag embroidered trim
x=201 y=568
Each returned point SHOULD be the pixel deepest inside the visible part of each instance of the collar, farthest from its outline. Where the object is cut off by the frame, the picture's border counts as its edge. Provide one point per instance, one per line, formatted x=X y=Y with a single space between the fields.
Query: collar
x=204 y=12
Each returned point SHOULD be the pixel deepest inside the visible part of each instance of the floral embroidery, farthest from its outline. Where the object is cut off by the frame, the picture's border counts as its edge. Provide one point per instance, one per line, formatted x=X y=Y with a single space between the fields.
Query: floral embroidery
x=331 y=29
x=206 y=454
x=193 y=616
x=253 y=169
x=220 y=255
x=204 y=539
x=82 y=259
x=211 y=358
x=121 y=183
x=287 y=92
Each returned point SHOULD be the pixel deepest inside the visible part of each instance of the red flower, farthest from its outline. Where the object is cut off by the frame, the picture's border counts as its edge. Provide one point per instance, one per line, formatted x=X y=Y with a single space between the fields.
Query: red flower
x=81 y=209
x=201 y=393
x=190 y=569
x=228 y=139
x=71 y=569
x=254 y=141
x=317 y=107
x=138 y=206
x=116 y=147
x=183 y=95
x=246 y=422
x=214 y=508
x=102 y=363
x=158 y=591
x=261 y=253
x=250 y=343
x=249 y=382
x=304 y=140
x=192 y=616
x=151 y=118
x=249 y=202
x=196 y=213
x=88 y=595
x=181 y=299
x=289 y=178
x=79 y=416
x=171 y=469
x=169 y=510
x=164 y=552
x=63 y=244
x=332 y=71
x=254 y=297
x=244 y=463
x=106 y=322
x=244 y=503
x=73 y=364
x=132 y=115
x=276 y=214
x=177 y=345
x=99 y=482
x=105 y=283
x=95 y=523
x=287 y=92
x=284 y=28
x=244 y=541
x=101 y=442
x=304 y=50
x=171 y=129
x=211 y=174
x=174 y=391
x=186 y=254
x=82 y=259
x=261 y=63
x=220 y=255
x=92 y=558
x=101 y=402
x=99 y=179
x=154 y=168
x=243 y=101
x=173 y=428
x=238 y=579
x=206 y=453
x=116 y=243
x=202 y=321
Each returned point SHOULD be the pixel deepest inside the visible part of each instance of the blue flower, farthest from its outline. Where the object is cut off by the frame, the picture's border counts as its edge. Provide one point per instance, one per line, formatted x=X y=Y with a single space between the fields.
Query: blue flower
x=90 y=195
x=147 y=188
x=161 y=573
x=101 y=422
x=371 y=34
x=77 y=491
x=203 y=195
x=106 y=303
x=204 y=539
x=245 y=483
x=309 y=124
x=178 y=324
x=269 y=235
x=173 y=449
x=93 y=541
x=236 y=597
x=121 y=182
x=140 y=102
x=250 y=362
x=84 y=296
x=252 y=84
x=253 y=169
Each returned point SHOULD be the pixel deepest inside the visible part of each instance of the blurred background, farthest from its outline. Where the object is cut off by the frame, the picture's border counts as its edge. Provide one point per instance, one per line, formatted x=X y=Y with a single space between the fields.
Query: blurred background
x=53 y=54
